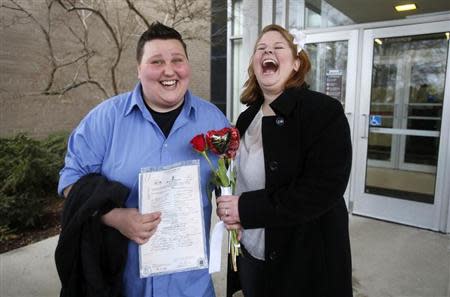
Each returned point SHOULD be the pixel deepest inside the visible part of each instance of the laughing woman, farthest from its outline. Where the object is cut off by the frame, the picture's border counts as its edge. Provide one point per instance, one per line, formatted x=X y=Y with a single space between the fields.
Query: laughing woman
x=293 y=167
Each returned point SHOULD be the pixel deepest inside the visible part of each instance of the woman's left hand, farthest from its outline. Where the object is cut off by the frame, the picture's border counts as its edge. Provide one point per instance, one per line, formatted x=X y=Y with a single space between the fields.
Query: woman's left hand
x=228 y=210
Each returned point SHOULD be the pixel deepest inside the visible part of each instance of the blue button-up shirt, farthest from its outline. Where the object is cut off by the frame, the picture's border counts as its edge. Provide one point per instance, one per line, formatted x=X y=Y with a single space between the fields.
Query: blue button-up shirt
x=118 y=138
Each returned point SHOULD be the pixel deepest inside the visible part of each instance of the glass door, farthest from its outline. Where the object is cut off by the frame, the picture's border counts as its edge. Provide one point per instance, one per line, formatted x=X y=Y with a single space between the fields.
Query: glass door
x=333 y=59
x=401 y=121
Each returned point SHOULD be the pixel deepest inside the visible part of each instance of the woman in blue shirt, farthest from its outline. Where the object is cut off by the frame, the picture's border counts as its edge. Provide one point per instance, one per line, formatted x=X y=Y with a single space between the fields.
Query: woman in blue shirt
x=147 y=127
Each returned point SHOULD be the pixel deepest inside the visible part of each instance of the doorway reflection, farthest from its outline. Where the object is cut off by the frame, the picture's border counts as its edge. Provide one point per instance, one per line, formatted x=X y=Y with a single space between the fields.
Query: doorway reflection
x=408 y=80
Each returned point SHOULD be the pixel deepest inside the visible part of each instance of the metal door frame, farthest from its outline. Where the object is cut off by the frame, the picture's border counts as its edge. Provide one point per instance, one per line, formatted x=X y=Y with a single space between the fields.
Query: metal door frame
x=430 y=216
x=351 y=36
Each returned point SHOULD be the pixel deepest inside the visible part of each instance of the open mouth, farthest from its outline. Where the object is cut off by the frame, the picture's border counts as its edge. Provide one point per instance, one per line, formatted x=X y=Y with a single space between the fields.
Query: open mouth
x=269 y=66
x=168 y=83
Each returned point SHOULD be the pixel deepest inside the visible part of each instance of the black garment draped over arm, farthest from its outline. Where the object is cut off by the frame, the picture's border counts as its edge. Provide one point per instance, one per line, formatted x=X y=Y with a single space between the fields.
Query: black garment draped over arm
x=90 y=256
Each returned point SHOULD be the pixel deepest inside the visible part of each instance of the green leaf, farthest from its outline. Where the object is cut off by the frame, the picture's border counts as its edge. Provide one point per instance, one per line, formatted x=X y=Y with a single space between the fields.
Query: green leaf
x=222 y=173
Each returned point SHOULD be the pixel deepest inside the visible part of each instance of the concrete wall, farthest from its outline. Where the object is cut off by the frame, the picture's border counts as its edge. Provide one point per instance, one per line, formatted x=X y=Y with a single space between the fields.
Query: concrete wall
x=24 y=70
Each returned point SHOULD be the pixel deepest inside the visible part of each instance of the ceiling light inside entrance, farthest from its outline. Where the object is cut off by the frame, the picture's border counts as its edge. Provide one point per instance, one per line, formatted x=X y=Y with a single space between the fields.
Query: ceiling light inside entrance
x=406 y=7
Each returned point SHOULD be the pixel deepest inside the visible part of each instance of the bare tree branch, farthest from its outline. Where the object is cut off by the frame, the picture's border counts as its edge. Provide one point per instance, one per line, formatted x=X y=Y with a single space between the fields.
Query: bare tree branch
x=46 y=33
x=109 y=28
x=70 y=30
x=137 y=12
x=76 y=85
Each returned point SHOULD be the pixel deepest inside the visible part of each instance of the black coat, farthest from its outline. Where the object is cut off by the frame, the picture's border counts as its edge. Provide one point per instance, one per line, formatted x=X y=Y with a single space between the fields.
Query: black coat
x=307 y=156
x=90 y=256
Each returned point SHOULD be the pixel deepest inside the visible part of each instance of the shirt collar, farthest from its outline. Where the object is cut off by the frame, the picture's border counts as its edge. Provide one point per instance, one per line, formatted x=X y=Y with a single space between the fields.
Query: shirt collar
x=137 y=100
x=288 y=100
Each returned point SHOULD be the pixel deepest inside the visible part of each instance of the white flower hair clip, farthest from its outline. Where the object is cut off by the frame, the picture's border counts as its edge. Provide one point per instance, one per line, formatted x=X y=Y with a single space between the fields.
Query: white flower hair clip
x=299 y=39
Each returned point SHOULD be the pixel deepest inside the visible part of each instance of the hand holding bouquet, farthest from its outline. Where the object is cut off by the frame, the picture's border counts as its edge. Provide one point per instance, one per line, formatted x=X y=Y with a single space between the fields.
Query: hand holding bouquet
x=224 y=143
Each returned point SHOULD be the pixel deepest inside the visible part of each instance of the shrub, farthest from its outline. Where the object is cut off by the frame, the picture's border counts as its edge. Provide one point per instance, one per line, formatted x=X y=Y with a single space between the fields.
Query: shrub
x=29 y=171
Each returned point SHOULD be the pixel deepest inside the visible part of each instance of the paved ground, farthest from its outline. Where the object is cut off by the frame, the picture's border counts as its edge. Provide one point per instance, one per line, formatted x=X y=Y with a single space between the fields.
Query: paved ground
x=389 y=260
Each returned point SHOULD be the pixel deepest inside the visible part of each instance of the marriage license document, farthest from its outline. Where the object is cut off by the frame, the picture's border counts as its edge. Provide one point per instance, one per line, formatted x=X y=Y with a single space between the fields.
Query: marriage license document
x=179 y=241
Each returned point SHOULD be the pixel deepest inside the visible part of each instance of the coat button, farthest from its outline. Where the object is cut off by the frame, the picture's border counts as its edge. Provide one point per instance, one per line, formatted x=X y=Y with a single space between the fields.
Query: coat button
x=279 y=121
x=273 y=165
x=273 y=255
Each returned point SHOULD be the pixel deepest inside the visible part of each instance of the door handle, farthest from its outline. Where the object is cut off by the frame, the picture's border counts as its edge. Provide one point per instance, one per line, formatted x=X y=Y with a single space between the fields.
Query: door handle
x=365 y=126
x=349 y=116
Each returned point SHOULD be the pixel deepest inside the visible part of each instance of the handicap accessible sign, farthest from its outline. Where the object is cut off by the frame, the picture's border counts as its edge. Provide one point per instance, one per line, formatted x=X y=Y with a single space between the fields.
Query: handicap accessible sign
x=375 y=120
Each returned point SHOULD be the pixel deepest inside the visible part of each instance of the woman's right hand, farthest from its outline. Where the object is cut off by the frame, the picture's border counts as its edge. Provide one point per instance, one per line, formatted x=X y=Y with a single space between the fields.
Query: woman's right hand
x=135 y=226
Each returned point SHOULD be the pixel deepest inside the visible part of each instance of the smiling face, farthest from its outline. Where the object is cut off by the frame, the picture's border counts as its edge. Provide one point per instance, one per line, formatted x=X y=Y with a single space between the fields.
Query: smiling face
x=273 y=63
x=164 y=72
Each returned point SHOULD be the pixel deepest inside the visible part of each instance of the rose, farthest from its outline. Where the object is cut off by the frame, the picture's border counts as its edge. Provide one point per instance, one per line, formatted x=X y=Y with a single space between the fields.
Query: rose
x=199 y=143
x=224 y=143
x=233 y=144
x=218 y=140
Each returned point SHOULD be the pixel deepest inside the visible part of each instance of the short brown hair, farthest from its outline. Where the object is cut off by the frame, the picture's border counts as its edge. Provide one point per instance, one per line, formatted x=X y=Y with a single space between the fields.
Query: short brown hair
x=252 y=91
x=156 y=30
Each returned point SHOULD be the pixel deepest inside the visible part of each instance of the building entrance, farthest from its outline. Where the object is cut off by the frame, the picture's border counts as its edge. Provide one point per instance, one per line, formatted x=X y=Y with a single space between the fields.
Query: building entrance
x=403 y=125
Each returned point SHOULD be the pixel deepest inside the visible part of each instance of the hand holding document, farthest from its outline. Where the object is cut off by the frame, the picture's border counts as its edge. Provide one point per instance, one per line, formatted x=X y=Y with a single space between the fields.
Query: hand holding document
x=179 y=242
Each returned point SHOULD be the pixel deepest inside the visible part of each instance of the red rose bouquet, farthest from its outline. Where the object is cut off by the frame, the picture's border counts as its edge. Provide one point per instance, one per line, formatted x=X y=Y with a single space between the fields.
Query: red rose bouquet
x=223 y=143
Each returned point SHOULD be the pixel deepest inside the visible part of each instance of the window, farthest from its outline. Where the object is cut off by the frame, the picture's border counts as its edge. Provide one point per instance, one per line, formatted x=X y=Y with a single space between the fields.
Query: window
x=237 y=67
